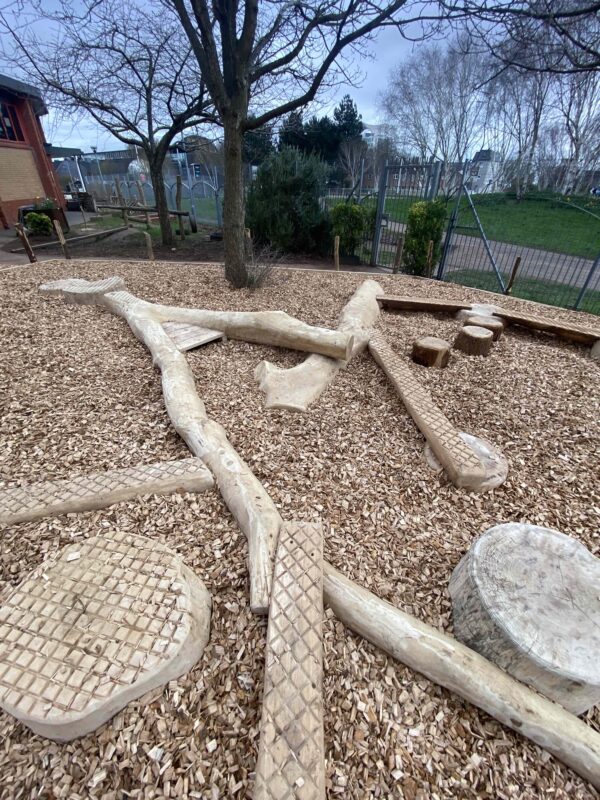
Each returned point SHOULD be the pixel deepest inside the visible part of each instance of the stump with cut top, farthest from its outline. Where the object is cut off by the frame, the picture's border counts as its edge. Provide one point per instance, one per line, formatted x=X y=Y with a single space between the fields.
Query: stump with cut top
x=431 y=351
x=527 y=598
x=493 y=324
x=474 y=340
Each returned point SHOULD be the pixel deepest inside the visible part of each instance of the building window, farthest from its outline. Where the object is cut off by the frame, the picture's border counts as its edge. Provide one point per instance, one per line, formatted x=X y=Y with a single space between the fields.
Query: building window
x=10 y=128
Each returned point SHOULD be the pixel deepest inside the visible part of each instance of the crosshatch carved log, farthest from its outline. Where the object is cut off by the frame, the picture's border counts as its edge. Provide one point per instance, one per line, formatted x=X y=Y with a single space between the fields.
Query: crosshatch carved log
x=296 y=388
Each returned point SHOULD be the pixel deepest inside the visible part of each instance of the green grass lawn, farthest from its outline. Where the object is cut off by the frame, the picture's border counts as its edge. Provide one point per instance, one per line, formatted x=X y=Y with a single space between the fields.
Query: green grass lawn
x=553 y=294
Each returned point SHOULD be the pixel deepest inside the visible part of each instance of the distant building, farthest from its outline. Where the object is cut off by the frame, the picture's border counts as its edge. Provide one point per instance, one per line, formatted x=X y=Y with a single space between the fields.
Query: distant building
x=373 y=134
x=26 y=171
x=485 y=172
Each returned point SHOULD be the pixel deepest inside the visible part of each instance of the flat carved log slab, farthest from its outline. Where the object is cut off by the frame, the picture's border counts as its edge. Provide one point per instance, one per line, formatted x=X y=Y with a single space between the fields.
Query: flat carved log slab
x=527 y=599
x=109 y=619
x=573 y=333
x=85 y=492
x=188 y=337
x=420 y=303
x=429 y=351
x=291 y=756
x=461 y=464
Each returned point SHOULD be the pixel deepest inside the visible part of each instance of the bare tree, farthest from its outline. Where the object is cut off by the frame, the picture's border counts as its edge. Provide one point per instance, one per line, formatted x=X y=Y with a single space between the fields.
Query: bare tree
x=276 y=55
x=436 y=104
x=133 y=77
x=578 y=103
x=352 y=153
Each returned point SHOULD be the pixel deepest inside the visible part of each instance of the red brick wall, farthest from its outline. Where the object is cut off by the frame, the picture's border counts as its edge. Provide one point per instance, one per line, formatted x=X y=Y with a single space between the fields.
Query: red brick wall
x=26 y=172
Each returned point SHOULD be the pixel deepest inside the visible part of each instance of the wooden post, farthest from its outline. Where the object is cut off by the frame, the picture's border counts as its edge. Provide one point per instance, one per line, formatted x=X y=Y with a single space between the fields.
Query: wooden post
x=121 y=200
x=142 y=199
x=429 y=258
x=178 y=206
x=513 y=275
x=23 y=237
x=149 y=248
x=398 y=255
x=336 y=252
x=61 y=238
x=3 y=219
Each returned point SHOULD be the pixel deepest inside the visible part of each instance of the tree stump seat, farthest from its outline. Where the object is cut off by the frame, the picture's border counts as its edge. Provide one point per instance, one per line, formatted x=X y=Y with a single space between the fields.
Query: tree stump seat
x=527 y=599
x=493 y=324
x=429 y=351
x=474 y=340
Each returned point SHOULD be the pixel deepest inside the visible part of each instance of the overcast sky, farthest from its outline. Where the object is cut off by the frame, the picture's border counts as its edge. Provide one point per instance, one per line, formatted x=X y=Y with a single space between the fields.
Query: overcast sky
x=387 y=50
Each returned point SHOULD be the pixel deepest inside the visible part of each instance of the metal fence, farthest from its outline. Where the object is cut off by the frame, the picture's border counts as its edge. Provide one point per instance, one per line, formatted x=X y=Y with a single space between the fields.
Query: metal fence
x=544 y=248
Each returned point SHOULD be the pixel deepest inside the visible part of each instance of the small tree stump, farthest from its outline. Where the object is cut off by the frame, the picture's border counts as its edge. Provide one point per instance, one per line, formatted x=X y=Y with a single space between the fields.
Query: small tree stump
x=527 y=599
x=431 y=351
x=493 y=324
x=474 y=340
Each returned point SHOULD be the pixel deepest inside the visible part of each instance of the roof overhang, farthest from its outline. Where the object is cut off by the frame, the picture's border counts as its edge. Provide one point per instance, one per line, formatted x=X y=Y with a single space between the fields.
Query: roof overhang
x=22 y=89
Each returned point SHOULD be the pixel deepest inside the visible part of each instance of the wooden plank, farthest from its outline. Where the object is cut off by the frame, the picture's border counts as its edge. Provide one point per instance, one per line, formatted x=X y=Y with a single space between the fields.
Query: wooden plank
x=573 y=333
x=291 y=756
x=420 y=303
x=85 y=492
x=461 y=464
x=187 y=337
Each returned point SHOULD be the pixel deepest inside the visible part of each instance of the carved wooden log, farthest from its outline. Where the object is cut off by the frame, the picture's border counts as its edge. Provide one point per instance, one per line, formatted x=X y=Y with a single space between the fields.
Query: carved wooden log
x=474 y=340
x=449 y=663
x=244 y=495
x=527 y=599
x=298 y=387
x=431 y=351
x=263 y=327
x=493 y=324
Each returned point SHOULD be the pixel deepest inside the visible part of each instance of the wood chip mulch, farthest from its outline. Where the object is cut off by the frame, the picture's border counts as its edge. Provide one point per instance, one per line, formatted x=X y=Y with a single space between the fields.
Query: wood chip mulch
x=78 y=394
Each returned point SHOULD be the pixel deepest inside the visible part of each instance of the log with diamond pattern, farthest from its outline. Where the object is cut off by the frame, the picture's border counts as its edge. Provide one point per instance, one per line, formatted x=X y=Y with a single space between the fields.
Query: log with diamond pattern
x=291 y=761
x=85 y=492
x=461 y=464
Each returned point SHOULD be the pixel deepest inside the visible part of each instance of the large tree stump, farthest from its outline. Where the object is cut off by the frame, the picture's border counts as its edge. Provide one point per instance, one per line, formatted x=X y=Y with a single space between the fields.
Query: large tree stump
x=431 y=351
x=493 y=324
x=527 y=599
x=474 y=340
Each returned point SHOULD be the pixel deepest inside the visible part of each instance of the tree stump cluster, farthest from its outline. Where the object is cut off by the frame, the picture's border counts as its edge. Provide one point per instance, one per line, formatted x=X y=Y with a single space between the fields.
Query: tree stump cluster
x=493 y=324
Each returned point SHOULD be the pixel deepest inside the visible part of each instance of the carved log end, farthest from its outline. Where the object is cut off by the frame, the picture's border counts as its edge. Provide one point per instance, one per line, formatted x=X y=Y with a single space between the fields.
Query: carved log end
x=526 y=598
x=493 y=324
x=431 y=352
x=479 y=309
x=474 y=340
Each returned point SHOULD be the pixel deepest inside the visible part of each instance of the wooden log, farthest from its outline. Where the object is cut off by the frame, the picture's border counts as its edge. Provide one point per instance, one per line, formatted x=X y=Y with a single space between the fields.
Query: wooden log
x=26 y=244
x=449 y=663
x=336 y=252
x=63 y=242
x=142 y=200
x=564 y=330
x=474 y=340
x=403 y=303
x=296 y=388
x=102 y=489
x=461 y=464
x=429 y=258
x=149 y=248
x=527 y=599
x=493 y=324
x=291 y=755
x=398 y=254
x=513 y=275
x=431 y=351
x=263 y=327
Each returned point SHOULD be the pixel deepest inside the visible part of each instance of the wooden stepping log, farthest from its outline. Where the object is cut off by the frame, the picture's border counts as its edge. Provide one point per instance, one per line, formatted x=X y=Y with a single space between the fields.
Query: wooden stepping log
x=474 y=341
x=291 y=756
x=461 y=464
x=187 y=337
x=85 y=492
x=493 y=324
x=527 y=599
x=420 y=303
x=429 y=351
x=573 y=333
x=106 y=621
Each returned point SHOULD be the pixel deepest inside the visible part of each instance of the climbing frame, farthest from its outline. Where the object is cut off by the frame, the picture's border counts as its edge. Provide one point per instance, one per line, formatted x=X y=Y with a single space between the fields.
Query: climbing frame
x=291 y=754
x=84 y=492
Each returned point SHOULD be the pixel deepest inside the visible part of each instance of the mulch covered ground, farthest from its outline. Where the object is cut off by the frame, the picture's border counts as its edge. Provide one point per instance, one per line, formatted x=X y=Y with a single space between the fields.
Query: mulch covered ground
x=79 y=394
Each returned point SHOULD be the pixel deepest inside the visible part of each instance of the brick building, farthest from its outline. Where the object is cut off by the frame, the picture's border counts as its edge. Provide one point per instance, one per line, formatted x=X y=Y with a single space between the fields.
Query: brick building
x=26 y=171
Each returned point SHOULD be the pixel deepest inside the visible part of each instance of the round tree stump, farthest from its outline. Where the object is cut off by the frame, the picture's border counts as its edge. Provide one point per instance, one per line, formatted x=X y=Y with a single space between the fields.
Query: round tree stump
x=431 y=351
x=493 y=324
x=527 y=599
x=474 y=340
x=494 y=463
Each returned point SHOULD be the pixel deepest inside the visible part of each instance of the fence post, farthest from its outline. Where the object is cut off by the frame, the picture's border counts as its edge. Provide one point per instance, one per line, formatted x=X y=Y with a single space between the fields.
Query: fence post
x=61 y=238
x=485 y=241
x=379 y=215
x=449 y=235
x=26 y=244
x=434 y=186
x=587 y=282
x=398 y=255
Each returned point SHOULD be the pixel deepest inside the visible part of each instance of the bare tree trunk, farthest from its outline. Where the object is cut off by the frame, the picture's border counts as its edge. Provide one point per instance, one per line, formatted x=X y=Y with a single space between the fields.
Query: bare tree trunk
x=162 y=205
x=234 y=205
